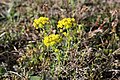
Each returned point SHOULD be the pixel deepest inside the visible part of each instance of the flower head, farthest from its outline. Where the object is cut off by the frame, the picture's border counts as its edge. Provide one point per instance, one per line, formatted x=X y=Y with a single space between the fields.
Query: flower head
x=51 y=39
x=66 y=23
x=40 y=22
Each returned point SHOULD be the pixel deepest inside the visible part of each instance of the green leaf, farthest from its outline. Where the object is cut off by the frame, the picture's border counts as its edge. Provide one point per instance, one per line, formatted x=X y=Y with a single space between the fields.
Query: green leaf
x=35 y=78
x=2 y=70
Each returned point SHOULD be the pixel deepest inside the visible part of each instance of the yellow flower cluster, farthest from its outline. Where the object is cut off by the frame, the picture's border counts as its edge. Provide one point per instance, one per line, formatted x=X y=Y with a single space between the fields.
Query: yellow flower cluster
x=40 y=22
x=51 y=39
x=66 y=23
